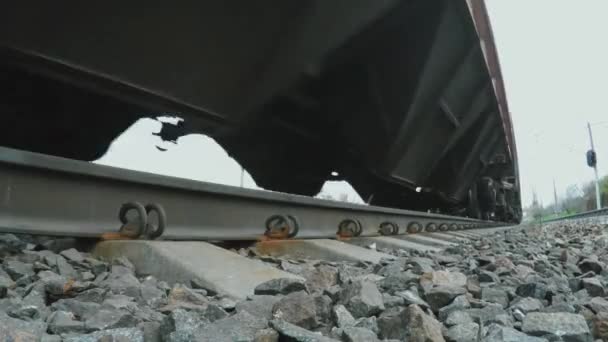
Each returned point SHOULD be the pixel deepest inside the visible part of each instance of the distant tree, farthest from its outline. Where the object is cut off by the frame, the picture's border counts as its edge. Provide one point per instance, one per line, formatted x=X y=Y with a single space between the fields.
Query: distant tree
x=604 y=191
x=573 y=201
x=589 y=196
x=536 y=209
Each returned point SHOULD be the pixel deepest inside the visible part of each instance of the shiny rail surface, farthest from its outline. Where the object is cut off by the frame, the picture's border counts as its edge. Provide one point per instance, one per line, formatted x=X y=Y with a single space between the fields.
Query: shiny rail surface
x=41 y=194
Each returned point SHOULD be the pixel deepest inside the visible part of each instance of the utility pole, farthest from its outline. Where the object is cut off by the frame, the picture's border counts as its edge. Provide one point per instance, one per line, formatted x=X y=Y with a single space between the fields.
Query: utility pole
x=592 y=162
x=555 y=209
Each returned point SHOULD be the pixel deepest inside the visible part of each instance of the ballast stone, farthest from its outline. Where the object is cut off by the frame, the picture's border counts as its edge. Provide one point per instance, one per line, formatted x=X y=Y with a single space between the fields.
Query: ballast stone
x=571 y=327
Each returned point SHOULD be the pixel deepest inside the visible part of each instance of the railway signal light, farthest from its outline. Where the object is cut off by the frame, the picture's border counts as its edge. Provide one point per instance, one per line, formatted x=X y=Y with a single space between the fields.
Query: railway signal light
x=591 y=158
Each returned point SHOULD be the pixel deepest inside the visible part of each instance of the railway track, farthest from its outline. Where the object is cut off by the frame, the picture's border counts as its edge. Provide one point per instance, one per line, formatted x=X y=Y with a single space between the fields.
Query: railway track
x=592 y=214
x=187 y=232
x=190 y=261
x=48 y=195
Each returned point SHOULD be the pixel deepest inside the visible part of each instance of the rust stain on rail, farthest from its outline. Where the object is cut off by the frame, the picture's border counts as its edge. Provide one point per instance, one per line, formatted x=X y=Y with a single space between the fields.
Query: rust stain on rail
x=276 y=247
x=293 y=248
x=116 y=236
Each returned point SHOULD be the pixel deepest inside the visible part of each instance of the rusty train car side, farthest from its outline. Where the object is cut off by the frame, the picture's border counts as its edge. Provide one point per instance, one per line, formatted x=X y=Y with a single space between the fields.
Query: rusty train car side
x=404 y=99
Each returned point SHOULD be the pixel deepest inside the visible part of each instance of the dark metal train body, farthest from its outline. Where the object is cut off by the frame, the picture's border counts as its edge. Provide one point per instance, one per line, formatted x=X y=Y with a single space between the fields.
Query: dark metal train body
x=402 y=98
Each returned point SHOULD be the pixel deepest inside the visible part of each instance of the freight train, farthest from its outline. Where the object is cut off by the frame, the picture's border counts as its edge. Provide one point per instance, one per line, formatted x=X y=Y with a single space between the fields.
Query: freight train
x=404 y=99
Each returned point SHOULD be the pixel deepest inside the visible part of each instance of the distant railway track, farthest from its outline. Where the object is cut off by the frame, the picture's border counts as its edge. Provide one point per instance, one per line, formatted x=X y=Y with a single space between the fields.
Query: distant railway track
x=584 y=215
x=41 y=194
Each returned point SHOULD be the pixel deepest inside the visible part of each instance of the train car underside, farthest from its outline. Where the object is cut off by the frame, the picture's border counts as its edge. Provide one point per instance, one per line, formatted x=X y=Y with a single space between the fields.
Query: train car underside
x=393 y=96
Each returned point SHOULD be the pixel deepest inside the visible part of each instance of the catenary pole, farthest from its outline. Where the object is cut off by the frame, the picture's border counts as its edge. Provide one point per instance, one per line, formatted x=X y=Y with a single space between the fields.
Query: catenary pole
x=597 y=182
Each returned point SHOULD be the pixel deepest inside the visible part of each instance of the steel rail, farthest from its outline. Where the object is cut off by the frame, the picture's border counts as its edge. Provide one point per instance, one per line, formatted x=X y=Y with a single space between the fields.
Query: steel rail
x=583 y=215
x=41 y=194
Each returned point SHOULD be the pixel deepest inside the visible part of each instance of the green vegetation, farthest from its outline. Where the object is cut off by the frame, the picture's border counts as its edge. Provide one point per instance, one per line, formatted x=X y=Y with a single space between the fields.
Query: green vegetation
x=578 y=199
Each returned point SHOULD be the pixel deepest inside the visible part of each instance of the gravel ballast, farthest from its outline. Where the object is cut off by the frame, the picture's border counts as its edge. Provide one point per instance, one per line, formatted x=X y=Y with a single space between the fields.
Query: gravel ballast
x=534 y=283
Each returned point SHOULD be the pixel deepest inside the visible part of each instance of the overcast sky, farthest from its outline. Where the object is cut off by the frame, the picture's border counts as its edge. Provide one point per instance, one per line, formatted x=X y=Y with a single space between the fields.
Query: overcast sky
x=195 y=157
x=554 y=60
